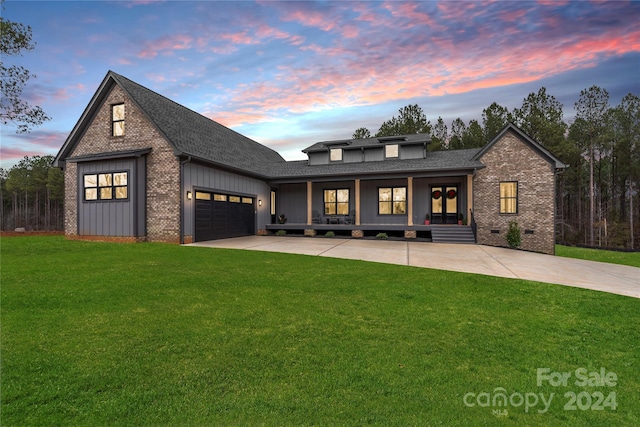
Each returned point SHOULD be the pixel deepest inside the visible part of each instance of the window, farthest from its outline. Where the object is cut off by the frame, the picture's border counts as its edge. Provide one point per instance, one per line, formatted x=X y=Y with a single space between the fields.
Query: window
x=336 y=202
x=117 y=120
x=234 y=199
x=391 y=150
x=220 y=197
x=247 y=200
x=106 y=186
x=509 y=197
x=392 y=201
x=203 y=196
x=273 y=203
x=335 y=154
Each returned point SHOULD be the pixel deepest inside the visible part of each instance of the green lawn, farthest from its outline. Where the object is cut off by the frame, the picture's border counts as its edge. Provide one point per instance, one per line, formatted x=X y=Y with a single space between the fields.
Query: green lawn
x=614 y=257
x=151 y=334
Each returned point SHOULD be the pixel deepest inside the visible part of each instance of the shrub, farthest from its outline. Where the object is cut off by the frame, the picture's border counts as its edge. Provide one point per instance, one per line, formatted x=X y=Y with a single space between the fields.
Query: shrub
x=382 y=236
x=281 y=233
x=330 y=234
x=514 y=235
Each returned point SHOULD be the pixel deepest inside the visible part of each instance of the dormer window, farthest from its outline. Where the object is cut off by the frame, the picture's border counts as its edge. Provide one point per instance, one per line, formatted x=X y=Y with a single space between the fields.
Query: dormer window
x=117 y=120
x=335 y=154
x=391 y=151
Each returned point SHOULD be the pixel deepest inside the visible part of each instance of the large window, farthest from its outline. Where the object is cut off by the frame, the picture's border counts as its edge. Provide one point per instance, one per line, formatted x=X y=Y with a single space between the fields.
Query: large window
x=509 y=197
x=335 y=154
x=106 y=186
x=117 y=120
x=336 y=202
x=391 y=150
x=392 y=200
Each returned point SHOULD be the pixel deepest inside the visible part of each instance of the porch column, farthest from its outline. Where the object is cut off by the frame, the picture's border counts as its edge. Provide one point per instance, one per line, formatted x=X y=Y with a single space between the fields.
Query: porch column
x=309 y=202
x=410 y=200
x=357 y=185
x=469 y=197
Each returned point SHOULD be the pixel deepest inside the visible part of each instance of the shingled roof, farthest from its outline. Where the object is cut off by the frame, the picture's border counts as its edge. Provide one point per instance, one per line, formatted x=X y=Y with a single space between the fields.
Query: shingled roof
x=436 y=161
x=188 y=132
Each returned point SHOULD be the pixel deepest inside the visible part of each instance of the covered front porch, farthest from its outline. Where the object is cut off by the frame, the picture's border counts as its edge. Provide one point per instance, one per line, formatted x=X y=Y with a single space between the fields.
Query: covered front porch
x=411 y=206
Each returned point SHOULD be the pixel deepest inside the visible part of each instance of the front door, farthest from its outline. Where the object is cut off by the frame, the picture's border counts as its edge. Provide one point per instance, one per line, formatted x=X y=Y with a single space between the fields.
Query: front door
x=444 y=204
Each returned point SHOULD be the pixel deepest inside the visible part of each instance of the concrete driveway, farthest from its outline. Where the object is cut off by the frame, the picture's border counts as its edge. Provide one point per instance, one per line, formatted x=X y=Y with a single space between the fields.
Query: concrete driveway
x=501 y=262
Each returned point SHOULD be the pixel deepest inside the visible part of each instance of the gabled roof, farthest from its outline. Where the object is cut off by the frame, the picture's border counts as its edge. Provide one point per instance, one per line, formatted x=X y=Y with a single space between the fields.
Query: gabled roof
x=189 y=133
x=536 y=146
x=349 y=144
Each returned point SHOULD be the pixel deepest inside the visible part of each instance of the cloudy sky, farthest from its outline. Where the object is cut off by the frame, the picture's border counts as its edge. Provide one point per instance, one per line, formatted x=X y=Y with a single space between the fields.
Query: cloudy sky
x=292 y=73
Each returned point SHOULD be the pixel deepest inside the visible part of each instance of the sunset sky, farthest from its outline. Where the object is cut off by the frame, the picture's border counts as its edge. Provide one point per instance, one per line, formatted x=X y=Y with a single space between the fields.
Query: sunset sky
x=289 y=74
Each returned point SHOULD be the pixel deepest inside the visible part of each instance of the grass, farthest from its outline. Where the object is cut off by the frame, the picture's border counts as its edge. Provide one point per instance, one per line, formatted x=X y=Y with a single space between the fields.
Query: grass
x=614 y=257
x=152 y=334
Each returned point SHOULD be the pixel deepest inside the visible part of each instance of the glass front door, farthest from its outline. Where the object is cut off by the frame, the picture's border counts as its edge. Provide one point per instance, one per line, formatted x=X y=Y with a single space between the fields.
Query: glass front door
x=444 y=204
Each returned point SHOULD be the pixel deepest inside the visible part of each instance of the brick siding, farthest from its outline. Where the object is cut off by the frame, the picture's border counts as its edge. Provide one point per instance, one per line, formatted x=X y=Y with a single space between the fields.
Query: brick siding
x=71 y=200
x=163 y=168
x=511 y=159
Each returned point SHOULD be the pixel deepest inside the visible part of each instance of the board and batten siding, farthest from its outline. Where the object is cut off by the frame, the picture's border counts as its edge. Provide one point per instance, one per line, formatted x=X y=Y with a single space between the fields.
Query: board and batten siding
x=369 y=202
x=411 y=152
x=292 y=202
x=113 y=218
x=198 y=177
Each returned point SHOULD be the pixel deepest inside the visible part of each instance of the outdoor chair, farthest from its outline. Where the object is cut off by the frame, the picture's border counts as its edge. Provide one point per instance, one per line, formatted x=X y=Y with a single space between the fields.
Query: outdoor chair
x=351 y=218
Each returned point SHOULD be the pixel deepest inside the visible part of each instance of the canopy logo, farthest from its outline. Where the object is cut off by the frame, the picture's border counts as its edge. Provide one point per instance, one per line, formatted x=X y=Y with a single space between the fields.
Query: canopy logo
x=499 y=400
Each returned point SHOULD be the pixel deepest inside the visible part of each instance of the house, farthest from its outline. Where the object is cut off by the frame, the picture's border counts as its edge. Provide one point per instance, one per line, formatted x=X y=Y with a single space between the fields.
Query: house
x=140 y=167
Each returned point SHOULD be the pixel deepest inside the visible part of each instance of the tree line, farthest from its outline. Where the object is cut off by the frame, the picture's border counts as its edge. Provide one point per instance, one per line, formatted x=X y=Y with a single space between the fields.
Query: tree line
x=32 y=195
x=596 y=194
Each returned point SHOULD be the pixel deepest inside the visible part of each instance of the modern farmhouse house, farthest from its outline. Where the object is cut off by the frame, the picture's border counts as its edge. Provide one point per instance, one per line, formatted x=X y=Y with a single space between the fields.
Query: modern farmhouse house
x=140 y=167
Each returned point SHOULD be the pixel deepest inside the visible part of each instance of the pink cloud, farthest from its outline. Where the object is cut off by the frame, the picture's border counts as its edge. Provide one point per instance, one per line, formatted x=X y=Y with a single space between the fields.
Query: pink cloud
x=44 y=139
x=556 y=3
x=156 y=77
x=461 y=11
x=350 y=31
x=365 y=14
x=239 y=38
x=60 y=94
x=133 y=3
x=40 y=143
x=309 y=18
x=166 y=45
x=410 y=14
x=513 y=15
x=364 y=76
x=238 y=117
x=13 y=154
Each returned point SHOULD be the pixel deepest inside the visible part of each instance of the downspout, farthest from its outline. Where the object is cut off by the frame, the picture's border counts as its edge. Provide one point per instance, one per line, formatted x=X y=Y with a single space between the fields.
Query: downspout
x=182 y=196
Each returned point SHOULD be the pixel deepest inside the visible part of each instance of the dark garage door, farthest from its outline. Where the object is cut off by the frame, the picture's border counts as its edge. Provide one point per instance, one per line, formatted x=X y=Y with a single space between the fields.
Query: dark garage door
x=220 y=216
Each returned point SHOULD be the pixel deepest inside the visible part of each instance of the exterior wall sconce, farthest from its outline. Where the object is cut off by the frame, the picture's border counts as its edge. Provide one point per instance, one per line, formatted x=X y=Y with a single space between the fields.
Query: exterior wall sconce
x=189 y=195
x=259 y=202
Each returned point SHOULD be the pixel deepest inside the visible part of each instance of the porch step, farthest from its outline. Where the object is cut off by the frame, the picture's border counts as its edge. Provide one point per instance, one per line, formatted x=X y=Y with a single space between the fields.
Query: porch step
x=452 y=234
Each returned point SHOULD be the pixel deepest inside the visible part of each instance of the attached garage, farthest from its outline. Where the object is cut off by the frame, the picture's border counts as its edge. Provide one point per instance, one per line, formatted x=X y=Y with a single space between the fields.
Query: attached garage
x=220 y=216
